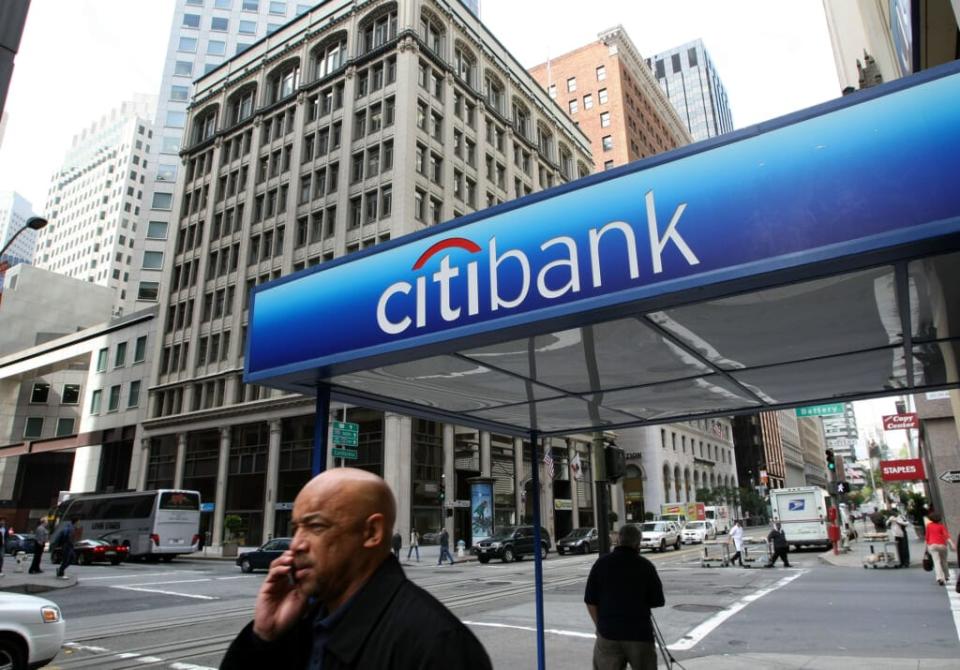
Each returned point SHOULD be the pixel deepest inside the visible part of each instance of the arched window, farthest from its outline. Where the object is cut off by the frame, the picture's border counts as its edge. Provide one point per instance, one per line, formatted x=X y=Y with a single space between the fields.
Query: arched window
x=329 y=56
x=666 y=482
x=677 y=481
x=566 y=163
x=545 y=143
x=465 y=65
x=205 y=125
x=521 y=119
x=431 y=31
x=378 y=28
x=283 y=81
x=494 y=91
x=582 y=169
x=240 y=105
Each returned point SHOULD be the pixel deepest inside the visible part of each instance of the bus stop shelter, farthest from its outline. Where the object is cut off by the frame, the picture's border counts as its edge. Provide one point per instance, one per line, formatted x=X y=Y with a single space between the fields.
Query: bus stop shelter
x=812 y=258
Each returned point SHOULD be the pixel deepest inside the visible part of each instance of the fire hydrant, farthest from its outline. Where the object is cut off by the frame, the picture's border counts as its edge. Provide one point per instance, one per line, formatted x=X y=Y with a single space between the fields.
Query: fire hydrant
x=21 y=559
x=461 y=548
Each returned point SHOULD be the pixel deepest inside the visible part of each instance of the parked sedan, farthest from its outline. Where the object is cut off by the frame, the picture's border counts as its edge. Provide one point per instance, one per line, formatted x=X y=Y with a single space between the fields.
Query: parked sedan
x=86 y=552
x=31 y=631
x=25 y=542
x=582 y=540
x=658 y=535
x=260 y=559
x=698 y=532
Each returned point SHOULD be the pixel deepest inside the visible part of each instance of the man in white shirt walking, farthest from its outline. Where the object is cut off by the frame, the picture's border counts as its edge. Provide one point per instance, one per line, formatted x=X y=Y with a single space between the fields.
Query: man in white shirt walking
x=736 y=535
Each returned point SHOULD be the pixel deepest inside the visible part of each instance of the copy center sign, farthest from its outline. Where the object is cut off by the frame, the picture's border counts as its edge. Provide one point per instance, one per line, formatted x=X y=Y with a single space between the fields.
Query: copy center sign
x=910 y=469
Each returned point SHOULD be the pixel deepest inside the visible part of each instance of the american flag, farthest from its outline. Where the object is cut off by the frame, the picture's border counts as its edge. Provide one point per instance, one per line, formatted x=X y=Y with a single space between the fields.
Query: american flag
x=548 y=461
x=718 y=429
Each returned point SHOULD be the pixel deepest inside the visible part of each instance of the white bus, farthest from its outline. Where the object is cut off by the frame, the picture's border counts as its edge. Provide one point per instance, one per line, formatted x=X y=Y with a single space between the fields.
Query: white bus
x=161 y=523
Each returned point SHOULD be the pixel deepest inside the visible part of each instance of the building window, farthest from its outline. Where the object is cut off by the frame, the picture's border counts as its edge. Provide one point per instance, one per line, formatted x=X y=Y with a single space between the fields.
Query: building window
x=607 y=143
x=191 y=21
x=329 y=58
x=278 y=8
x=179 y=93
x=95 y=400
x=552 y=90
x=494 y=93
x=188 y=44
x=133 y=397
x=378 y=32
x=251 y=5
x=248 y=28
x=40 y=393
x=588 y=101
x=70 y=395
x=284 y=83
x=464 y=65
x=148 y=291
x=183 y=68
x=216 y=48
x=162 y=200
x=120 y=359
x=140 y=349
x=607 y=165
x=33 y=429
x=64 y=426
x=157 y=230
x=602 y=96
x=152 y=260
x=219 y=23
x=574 y=106
x=102 y=360
x=601 y=72
x=605 y=119
x=571 y=84
x=175 y=119
x=113 y=403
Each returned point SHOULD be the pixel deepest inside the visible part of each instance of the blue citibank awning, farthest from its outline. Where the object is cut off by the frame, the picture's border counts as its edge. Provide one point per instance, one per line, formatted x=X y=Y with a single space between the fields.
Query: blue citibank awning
x=810 y=258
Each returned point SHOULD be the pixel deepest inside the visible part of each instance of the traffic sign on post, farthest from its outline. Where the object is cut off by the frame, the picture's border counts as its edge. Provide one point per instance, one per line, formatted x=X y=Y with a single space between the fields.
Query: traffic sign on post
x=345 y=434
x=346 y=454
x=951 y=476
x=821 y=410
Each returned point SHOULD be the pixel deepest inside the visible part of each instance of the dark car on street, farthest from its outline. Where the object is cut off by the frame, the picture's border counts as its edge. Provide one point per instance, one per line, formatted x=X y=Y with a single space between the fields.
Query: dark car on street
x=260 y=559
x=86 y=552
x=25 y=542
x=512 y=543
x=579 y=540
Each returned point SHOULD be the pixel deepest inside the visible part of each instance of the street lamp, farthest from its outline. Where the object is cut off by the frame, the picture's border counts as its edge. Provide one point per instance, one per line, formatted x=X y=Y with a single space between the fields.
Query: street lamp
x=33 y=223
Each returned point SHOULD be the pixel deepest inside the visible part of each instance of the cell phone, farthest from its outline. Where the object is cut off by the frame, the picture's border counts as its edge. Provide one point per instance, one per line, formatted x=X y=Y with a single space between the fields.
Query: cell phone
x=292 y=576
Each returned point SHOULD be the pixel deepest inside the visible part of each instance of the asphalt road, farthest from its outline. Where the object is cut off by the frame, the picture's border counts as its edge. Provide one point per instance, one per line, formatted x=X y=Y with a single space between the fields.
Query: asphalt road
x=183 y=615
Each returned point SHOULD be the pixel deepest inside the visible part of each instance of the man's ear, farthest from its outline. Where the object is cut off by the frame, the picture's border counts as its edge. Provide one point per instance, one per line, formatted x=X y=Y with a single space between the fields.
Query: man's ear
x=375 y=532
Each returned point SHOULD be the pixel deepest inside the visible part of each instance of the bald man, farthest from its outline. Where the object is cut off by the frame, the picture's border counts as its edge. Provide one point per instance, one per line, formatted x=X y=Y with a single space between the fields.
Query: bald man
x=338 y=598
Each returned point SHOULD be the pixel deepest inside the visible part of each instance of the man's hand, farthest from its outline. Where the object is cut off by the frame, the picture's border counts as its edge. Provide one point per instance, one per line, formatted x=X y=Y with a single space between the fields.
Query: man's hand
x=280 y=604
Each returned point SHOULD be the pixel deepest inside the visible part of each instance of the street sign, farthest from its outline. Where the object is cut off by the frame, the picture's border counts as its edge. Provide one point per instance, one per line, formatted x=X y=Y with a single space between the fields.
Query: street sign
x=901 y=421
x=457 y=503
x=903 y=470
x=349 y=454
x=344 y=433
x=207 y=507
x=821 y=410
x=952 y=476
x=840 y=442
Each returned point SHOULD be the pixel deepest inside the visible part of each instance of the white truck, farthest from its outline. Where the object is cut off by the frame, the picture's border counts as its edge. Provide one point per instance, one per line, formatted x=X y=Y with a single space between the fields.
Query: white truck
x=721 y=516
x=802 y=512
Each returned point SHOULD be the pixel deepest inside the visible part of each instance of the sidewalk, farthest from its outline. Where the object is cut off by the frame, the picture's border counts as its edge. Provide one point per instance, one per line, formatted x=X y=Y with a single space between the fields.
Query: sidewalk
x=797 y=661
x=860 y=547
x=429 y=554
x=24 y=582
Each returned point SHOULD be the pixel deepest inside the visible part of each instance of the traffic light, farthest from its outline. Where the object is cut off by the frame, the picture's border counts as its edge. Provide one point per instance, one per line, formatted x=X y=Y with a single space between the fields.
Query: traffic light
x=831 y=463
x=616 y=462
x=442 y=493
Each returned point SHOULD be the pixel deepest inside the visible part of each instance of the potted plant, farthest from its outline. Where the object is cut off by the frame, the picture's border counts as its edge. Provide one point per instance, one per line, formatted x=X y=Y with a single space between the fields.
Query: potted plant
x=232 y=525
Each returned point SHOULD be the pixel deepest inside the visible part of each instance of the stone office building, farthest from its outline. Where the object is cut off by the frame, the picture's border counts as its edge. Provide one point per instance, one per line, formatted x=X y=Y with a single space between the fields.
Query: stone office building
x=355 y=123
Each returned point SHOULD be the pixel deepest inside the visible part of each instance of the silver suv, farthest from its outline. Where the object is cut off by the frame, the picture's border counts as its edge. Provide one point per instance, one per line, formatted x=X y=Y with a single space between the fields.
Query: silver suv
x=658 y=535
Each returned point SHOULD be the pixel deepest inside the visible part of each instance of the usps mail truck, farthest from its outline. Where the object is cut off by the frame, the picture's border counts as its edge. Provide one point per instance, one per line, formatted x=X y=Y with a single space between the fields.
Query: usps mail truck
x=802 y=511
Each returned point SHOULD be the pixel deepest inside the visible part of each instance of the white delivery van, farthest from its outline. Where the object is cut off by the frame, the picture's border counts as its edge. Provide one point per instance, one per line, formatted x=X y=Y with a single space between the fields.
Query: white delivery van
x=721 y=517
x=802 y=512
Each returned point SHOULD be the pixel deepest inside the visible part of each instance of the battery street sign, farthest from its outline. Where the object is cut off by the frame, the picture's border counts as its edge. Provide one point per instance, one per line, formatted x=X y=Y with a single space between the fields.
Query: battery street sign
x=345 y=434
x=904 y=470
x=951 y=476
x=347 y=454
x=821 y=410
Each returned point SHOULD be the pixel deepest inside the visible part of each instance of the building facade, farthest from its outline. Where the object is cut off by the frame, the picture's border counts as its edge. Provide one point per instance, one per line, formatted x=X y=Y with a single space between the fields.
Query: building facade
x=841 y=434
x=610 y=93
x=814 y=447
x=94 y=205
x=14 y=212
x=689 y=78
x=351 y=125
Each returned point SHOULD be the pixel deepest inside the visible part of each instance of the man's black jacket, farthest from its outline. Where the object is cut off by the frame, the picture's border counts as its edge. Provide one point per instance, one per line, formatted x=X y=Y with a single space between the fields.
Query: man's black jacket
x=391 y=623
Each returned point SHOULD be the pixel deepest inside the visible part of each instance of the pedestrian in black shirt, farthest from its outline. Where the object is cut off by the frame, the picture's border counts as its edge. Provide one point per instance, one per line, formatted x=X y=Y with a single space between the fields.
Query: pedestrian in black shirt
x=622 y=588
x=778 y=539
x=338 y=599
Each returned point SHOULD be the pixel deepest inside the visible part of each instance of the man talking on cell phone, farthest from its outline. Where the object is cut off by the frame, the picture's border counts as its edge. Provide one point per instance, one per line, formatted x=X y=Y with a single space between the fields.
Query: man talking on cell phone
x=338 y=597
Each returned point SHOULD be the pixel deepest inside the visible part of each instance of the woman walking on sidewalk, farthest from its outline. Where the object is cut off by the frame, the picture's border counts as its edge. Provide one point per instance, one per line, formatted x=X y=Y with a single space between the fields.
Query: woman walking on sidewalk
x=937 y=540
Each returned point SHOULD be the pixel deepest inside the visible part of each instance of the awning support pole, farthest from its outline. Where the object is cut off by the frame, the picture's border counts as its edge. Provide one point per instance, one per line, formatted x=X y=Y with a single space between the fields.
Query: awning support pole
x=321 y=425
x=537 y=561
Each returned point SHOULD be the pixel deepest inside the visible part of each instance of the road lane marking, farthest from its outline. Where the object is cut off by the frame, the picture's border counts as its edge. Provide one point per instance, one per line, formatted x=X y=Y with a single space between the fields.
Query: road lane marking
x=85 y=647
x=175 y=581
x=553 y=631
x=137 y=575
x=166 y=593
x=149 y=659
x=189 y=666
x=691 y=639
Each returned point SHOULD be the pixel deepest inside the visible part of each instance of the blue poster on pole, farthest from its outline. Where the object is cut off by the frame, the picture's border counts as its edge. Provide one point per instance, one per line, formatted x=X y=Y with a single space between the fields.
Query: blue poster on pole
x=481 y=510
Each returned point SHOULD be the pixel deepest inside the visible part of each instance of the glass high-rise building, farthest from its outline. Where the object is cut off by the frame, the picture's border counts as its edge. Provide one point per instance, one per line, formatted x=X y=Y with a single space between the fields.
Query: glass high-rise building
x=690 y=79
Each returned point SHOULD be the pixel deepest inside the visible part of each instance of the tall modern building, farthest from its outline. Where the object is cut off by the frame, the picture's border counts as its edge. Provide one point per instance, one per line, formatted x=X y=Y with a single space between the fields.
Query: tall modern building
x=14 y=212
x=353 y=124
x=606 y=88
x=841 y=433
x=814 y=451
x=691 y=81
x=94 y=204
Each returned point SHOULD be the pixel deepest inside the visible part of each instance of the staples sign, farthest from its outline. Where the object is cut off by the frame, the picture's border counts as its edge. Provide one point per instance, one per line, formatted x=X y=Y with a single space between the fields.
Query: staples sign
x=903 y=470
x=900 y=421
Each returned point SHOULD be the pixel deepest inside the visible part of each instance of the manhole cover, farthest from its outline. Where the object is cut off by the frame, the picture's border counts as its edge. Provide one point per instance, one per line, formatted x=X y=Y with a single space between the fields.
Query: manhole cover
x=697 y=607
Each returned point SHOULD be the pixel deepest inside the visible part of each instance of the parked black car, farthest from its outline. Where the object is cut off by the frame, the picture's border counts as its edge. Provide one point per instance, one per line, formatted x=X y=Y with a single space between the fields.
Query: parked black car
x=260 y=559
x=86 y=552
x=512 y=543
x=581 y=540
x=25 y=542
